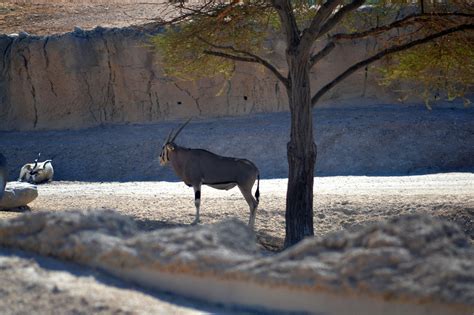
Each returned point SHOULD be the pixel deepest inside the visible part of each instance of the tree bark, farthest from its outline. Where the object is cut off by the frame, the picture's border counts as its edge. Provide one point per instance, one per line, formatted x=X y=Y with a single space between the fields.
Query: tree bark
x=301 y=151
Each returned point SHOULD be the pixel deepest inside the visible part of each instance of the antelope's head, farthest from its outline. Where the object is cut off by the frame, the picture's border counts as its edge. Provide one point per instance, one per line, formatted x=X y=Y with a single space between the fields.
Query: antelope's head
x=169 y=145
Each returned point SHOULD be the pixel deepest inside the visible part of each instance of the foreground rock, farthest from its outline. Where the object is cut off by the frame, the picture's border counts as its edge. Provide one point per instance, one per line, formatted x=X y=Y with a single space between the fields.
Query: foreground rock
x=18 y=195
x=410 y=265
x=38 y=285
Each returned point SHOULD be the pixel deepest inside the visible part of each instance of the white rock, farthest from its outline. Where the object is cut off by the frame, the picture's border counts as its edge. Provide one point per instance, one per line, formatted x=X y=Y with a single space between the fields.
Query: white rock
x=18 y=194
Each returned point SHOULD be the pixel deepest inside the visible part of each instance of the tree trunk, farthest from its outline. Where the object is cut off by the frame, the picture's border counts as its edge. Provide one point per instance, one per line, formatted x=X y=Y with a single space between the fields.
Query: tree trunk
x=301 y=152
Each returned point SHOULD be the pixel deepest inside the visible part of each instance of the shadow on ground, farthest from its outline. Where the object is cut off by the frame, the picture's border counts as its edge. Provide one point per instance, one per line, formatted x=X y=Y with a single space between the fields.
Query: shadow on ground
x=264 y=240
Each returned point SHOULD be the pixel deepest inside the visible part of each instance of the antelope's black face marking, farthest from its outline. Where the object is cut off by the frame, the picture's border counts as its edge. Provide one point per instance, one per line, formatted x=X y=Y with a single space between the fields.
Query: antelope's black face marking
x=165 y=151
x=164 y=155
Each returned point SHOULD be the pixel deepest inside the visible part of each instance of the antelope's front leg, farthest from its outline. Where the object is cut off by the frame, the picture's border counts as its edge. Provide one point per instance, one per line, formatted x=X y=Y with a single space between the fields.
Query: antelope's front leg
x=197 y=202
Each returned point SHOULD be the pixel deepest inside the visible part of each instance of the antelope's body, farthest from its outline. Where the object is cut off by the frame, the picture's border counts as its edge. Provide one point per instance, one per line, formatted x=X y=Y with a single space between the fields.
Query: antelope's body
x=3 y=174
x=197 y=167
x=37 y=172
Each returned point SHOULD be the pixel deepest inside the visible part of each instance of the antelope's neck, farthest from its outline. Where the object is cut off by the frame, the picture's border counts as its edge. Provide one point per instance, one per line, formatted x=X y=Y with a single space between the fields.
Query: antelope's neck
x=176 y=161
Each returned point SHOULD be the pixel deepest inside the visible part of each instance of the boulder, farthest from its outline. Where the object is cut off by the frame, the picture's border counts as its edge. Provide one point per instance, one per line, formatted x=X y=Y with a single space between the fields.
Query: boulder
x=18 y=194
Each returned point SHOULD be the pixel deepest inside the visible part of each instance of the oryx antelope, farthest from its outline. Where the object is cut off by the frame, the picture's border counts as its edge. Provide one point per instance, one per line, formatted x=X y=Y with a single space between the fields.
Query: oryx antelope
x=3 y=174
x=198 y=167
x=37 y=172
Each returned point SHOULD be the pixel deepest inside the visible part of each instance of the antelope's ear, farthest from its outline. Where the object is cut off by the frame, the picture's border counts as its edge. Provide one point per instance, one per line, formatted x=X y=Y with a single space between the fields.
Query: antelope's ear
x=170 y=146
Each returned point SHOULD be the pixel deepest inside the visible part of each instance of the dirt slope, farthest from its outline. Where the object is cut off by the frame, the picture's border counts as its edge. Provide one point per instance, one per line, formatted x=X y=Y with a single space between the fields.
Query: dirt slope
x=382 y=140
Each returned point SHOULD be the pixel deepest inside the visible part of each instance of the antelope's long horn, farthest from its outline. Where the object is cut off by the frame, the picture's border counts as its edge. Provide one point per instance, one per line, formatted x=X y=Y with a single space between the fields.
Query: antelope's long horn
x=168 y=138
x=34 y=167
x=46 y=162
x=36 y=160
x=36 y=164
x=180 y=129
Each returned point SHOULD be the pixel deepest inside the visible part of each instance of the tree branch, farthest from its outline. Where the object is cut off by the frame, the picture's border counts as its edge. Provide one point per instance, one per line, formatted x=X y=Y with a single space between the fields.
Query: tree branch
x=180 y=11
x=413 y=18
x=254 y=59
x=321 y=54
x=384 y=53
x=288 y=21
x=336 y=18
x=186 y=12
x=311 y=33
x=250 y=58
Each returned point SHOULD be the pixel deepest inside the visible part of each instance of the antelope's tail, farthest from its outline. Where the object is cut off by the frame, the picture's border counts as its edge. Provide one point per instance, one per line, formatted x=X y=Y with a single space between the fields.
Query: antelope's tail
x=257 y=193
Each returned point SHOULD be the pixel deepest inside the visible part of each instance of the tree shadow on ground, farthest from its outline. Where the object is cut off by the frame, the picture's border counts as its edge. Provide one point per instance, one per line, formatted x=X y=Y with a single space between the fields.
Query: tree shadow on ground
x=151 y=225
x=265 y=241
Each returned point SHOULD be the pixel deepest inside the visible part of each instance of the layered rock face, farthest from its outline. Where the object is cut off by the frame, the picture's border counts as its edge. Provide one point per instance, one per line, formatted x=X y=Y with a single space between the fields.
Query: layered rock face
x=409 y=265
x=89 y=78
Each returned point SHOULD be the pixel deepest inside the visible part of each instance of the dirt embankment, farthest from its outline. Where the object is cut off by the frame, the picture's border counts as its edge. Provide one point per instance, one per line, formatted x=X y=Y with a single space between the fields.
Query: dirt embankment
x=378 y=140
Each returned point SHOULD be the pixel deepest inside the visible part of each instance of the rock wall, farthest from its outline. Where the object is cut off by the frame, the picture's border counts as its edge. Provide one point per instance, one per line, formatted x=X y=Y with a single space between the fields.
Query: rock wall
x=89 y=78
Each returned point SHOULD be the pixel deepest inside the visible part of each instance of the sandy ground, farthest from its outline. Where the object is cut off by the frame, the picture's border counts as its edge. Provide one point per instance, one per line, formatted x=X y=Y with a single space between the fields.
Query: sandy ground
x=48 y=286
x=341 y=202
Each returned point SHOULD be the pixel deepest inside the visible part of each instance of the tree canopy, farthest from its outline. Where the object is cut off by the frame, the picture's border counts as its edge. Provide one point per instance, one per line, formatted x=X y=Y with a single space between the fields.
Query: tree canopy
x=438 y=70
x=208 y=39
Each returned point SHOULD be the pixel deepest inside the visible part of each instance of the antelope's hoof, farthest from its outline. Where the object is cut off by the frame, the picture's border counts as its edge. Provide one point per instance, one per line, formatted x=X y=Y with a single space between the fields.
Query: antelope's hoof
x=195 y=222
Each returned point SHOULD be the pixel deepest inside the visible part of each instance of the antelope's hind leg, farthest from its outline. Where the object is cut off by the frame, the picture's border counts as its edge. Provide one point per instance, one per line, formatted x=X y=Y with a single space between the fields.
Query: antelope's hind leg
x=252 y=202
x=197 y=202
